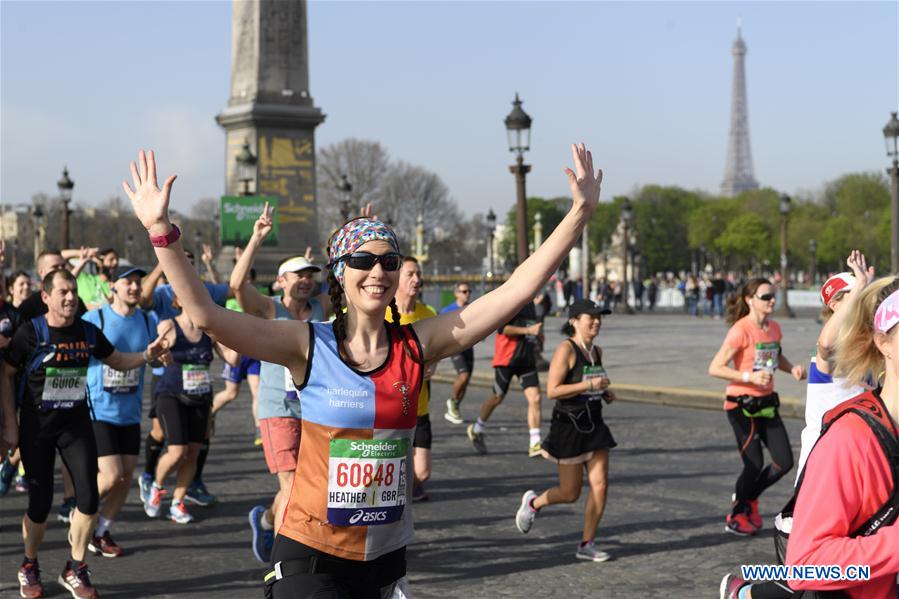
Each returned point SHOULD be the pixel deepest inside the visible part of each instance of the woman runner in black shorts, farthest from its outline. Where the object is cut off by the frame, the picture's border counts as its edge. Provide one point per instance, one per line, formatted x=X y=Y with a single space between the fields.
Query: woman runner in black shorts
x=578 y=440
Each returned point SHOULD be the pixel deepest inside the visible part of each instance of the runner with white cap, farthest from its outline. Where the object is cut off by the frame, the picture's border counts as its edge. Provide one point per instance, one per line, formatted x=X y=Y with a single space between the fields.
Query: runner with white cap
x=278 y=406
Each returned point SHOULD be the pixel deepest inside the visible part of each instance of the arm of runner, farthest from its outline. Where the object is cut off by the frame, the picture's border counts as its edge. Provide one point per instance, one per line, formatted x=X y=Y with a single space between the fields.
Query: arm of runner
x=84 y=256
x=798 y=371
x=451 y=333
x=561 y=364
x=209 y=261
x=863 y=275
x=8 y=405
x=228 y=355
x=280 y=341
x=158 y=350
x=513 y=331
x=249 y=298
x=148 y=286
x=719 y=368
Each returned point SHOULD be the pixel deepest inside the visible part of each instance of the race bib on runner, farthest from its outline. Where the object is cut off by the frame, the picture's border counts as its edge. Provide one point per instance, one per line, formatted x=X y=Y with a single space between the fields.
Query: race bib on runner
x=64 y=388
x=195 y=379
x=118 y=382
x=366 y=481
x=766 y=356
x=594 y=372
x=289 y=388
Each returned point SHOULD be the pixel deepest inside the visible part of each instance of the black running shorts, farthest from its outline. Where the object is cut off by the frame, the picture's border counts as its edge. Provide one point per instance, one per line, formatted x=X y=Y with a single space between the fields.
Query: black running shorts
x=502 y=378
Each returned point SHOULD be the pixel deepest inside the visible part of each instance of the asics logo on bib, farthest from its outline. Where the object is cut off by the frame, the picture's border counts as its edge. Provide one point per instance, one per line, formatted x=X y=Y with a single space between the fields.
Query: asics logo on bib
x=361 y=516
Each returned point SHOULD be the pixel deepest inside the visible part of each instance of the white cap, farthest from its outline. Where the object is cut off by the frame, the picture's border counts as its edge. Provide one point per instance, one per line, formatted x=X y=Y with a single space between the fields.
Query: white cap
x=296 y=264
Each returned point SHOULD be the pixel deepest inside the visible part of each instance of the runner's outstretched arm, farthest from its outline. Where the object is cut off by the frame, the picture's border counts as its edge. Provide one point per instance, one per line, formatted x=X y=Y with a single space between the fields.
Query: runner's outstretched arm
x=450 y=333
x=148 y=286
x=280 y=341
x=249 y=298
x=10 y=430
x=863 y=275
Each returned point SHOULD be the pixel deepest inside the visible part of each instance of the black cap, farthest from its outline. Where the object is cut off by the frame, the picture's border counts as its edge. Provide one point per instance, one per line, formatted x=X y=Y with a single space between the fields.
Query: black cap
x=585 y=306
x=123 y=271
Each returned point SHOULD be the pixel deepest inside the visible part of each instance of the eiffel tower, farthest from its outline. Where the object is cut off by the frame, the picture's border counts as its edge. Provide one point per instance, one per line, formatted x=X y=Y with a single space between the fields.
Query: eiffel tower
x=738 y=175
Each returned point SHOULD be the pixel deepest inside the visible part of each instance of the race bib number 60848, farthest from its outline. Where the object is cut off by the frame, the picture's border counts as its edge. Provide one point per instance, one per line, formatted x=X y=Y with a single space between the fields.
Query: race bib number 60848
x=366 y=481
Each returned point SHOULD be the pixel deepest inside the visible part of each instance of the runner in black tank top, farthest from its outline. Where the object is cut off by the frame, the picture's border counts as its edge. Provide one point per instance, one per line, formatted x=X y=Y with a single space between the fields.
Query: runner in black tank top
x=578 y=439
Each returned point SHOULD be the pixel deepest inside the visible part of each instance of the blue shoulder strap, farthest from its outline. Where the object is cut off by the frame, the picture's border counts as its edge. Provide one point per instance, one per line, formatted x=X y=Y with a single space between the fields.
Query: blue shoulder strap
x=42 y=348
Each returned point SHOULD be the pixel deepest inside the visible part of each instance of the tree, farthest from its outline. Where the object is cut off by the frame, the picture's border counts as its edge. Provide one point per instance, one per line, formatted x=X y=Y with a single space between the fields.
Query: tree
x=410 y=190
x=660 y=222
x=748 y=237
x=365 y=163
x=206 y=209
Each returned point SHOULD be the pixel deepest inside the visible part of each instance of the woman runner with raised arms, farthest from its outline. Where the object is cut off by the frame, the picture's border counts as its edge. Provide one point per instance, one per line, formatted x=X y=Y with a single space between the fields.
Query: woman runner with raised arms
x=345 y=528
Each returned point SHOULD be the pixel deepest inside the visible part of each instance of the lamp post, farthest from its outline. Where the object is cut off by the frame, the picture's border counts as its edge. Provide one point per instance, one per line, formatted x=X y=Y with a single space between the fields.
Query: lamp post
x=605 y=260
x=784 y=206
x=538 y=230
x=491 y=228
x=37 y=214
x=518 y=129
x=246 y=167
x=129 y=242
x=627 y=216
x=345 y=188
x=65 y=186
x=890 y=137
x=813 y=267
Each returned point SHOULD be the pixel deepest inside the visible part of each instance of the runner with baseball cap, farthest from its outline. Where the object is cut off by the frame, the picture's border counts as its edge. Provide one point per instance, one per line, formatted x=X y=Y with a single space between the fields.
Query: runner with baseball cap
x=578 y=440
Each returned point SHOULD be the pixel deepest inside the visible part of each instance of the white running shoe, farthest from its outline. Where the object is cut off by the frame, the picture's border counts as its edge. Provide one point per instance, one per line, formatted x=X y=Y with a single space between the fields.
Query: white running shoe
x=589 y=552
x=178 y=513
x=154 y=504
x=452 y=411
x=524 y=518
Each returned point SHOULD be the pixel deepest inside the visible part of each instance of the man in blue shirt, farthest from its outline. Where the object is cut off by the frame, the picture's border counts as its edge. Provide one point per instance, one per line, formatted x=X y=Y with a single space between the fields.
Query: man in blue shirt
x=116 y=399
x=463 y=363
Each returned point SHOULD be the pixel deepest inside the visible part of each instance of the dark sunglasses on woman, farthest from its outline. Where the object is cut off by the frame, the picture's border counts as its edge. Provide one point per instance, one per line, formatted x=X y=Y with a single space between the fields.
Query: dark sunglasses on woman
x=366 y=260
x=767 y=297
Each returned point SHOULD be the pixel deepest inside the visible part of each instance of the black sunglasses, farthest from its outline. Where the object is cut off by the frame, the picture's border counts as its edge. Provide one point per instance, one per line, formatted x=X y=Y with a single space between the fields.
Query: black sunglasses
x=464 y=290
x=390 y=261
x=767 y=297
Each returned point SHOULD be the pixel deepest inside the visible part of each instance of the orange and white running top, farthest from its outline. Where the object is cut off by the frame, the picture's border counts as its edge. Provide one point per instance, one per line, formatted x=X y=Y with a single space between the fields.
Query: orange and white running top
x=353 y=477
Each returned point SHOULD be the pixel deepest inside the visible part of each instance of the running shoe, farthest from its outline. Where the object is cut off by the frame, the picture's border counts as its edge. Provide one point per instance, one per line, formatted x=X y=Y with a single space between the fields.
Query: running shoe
x=30 y=586
x=145 y=483
x=153 y=504
x=262 y=538
x=419 y=493
x=739 y=524
x=524 y=518
x=730 y=587
x=535 y=450
x=589 y=552
x=21 y=484
x=755 y=518
x=477 y=440
x=78 y=581
x=64 y=514
x=178 y=513
x=452 y=411
x=198 y=495
x=7 y=473
x=105 y=546
x=258 y=440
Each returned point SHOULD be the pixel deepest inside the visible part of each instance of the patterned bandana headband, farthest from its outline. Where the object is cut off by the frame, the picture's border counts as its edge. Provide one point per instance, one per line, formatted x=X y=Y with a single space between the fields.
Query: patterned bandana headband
x=887 y=315
x=351 y=236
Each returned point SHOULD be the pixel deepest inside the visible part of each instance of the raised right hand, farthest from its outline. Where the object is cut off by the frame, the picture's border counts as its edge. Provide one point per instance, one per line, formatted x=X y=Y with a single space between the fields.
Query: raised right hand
x=264 y=224
x=863 y=273
x=150 y=203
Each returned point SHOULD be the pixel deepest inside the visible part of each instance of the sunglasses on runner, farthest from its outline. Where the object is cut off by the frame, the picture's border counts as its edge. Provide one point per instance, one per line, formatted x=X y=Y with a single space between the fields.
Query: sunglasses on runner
x=466 y=291
x=767 y=297
x=390 y=261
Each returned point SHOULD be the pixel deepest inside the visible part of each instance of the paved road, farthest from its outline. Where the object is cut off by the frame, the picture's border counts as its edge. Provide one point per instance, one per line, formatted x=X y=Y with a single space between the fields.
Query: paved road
x=670 y=483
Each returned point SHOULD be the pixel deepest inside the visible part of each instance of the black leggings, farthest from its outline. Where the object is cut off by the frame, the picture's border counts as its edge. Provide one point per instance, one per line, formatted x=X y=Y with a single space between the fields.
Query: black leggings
x=751 y=433
x=41 y=433
x=361 y=580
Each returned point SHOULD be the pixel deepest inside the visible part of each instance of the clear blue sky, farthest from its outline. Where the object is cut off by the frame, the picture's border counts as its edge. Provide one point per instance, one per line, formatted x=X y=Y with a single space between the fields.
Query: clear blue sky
x=645 y=84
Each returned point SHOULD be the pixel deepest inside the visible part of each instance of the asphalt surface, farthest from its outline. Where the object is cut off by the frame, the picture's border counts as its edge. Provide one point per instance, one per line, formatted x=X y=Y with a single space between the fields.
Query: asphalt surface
x=670 y=481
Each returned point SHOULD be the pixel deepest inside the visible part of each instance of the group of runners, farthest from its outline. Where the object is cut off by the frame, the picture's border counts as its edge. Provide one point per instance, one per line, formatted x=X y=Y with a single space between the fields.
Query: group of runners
x=347 y=372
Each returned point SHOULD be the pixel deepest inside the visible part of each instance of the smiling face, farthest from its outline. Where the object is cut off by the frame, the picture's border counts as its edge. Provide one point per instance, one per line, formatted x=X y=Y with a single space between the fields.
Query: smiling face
x=370 y=291
x=127 y=290
x=20 y=289
x=298 y=286
x=586 y=325
x=463 y=293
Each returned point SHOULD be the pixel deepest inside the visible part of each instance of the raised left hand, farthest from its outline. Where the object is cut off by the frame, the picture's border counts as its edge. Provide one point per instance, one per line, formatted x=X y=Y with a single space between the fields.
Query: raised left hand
x=207 y=254
x=150 y=203
x=585 y=186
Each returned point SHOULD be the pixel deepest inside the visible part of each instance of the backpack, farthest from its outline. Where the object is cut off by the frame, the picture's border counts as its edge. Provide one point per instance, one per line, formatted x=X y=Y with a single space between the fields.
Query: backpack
x=874 y=414
x=44 y=350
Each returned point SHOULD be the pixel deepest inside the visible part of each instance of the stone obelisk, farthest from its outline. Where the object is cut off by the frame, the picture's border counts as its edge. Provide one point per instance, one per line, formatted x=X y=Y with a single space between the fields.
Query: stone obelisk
x=738 y=175
x=271 y=108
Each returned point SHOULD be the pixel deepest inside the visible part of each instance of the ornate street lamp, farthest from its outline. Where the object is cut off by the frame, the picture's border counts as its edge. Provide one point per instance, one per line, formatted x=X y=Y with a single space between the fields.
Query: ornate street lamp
x=65 y=186
x=813 y=267
x=345 y=188
x=518 y=129
x=37 y=214
x=627 y=217
x=784 y=207
x=246 y=167
x=891 y=138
